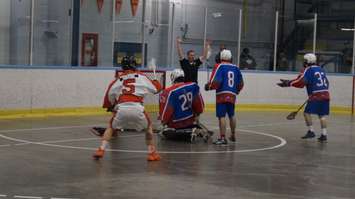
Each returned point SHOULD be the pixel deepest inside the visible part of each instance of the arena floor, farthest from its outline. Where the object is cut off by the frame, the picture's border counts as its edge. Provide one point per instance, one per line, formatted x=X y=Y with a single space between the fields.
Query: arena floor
x=51 y=158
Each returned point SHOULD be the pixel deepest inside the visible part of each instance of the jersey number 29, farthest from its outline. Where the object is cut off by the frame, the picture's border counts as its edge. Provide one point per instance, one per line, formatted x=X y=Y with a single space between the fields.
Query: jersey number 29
x=186 y=101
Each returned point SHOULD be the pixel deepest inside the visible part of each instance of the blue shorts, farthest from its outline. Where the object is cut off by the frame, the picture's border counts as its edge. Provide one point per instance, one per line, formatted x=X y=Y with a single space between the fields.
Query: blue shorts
x=320 y=108
x=224 y=108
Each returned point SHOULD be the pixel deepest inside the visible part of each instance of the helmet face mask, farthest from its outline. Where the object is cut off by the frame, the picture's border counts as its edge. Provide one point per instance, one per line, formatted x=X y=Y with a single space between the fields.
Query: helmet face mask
x=128 y=63
x=177 y=74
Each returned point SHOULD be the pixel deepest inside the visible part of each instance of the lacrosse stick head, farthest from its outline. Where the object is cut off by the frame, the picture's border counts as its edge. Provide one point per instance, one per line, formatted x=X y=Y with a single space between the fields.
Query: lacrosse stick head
x=209 y=52
x=152 y=66
x=292 y=115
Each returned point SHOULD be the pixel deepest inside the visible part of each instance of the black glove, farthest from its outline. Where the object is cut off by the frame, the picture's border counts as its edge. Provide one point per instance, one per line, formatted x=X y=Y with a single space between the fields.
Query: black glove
x=284 y=83
x=207 y=87
x=111 y=108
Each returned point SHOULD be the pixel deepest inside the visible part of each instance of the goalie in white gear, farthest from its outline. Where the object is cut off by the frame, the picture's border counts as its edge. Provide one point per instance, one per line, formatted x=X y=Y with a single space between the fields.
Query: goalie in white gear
x=126 y=94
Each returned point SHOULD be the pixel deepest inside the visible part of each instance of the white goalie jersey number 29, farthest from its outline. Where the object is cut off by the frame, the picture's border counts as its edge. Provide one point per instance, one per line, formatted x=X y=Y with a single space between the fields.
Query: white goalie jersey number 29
x=131 y=84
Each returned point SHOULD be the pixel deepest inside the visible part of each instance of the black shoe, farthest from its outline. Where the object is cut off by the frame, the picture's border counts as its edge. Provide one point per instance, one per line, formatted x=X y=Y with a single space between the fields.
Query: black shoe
x=220 y=141
x=322 y=138
x=232 y=138
x=98 y=131
x=309 y=134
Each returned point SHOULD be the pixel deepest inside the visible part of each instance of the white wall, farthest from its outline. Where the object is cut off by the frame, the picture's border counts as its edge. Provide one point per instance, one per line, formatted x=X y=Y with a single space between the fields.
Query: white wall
x=58 y=88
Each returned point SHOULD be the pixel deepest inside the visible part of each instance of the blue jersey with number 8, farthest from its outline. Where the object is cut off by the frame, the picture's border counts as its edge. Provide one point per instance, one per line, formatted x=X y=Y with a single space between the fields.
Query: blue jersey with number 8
x=227 y=79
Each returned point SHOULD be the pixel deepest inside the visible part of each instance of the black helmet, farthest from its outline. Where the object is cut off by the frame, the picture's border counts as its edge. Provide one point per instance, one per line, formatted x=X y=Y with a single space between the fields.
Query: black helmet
x=128 y=63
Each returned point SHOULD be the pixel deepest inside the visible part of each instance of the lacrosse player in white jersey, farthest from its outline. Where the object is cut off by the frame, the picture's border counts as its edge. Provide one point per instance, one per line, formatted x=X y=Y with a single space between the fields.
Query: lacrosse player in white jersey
x=126 y=94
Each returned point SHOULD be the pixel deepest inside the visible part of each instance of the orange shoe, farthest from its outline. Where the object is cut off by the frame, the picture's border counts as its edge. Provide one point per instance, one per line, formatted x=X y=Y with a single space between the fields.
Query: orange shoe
x=99 y=153
x=153 y=156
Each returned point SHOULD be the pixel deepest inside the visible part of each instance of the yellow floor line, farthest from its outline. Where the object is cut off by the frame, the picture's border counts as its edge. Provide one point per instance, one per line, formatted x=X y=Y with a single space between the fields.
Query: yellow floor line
x=87 y=111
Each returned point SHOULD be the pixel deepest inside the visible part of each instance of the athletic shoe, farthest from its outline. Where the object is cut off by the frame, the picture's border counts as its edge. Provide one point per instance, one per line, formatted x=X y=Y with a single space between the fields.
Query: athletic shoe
x=153 y=156
x=309 y=134
x=220 y=141
x=98 y=131
x=232 y=138
x=322 y=138
x=99 y=153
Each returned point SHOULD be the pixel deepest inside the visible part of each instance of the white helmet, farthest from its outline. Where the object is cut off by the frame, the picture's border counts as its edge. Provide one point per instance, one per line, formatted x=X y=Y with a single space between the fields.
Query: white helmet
x=226 y=55
x=310 y=58
x=176 y=74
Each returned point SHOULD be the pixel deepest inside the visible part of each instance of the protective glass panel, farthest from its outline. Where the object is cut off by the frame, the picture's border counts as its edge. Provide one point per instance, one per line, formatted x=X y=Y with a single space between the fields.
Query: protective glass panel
x=257 y=42
x=52 y=32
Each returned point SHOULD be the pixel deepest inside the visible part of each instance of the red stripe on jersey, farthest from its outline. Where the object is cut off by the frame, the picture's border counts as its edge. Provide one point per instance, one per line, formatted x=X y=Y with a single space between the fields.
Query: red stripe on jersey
x=319 y=96
x=130 y=98
x=225 y=98
x=198 y=105
x=106 y=103
x=167 y=114
x=214 y=72
x=299 y=81
x=182 y=124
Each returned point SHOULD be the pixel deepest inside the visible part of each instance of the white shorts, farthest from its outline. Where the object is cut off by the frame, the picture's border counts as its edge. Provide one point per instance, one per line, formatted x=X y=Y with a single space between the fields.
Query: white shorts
x=130 y=116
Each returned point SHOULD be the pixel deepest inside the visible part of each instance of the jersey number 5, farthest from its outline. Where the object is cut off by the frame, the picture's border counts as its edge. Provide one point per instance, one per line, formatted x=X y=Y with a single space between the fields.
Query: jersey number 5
x=128 y=86
x=186 y=101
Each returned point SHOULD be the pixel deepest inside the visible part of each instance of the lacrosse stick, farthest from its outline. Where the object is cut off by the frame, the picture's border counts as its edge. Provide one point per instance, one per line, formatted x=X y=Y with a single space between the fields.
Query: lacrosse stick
x=152 y=66
x=209 y=53
x=293 y=114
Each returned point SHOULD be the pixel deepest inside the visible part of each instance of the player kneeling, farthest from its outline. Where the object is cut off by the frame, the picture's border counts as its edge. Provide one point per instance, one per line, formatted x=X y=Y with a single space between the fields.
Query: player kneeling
x=126 y=94
x=180 y=106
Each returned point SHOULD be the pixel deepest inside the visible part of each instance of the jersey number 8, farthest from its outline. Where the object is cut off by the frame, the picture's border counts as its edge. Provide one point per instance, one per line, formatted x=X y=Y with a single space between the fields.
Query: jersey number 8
x=230 y=79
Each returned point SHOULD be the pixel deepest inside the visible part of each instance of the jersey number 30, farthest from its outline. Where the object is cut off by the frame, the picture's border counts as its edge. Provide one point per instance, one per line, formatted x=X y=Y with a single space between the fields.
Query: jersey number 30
x=186 y=101
x=322 y=81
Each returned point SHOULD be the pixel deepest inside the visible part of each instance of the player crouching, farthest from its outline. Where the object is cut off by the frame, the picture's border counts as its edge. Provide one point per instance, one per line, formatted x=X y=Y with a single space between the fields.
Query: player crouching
x=126 y=94
x=180 y=106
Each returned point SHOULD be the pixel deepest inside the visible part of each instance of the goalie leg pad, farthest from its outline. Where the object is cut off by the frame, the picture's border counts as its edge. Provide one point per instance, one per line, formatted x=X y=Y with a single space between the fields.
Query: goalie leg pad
x=177 y=134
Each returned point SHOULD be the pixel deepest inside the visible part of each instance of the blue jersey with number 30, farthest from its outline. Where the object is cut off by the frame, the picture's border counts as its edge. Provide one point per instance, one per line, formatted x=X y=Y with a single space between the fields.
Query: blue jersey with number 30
x=316 y=80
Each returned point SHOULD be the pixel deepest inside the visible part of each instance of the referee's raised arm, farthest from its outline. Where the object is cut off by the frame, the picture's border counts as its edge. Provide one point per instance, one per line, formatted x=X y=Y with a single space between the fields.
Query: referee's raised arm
x=179 y=48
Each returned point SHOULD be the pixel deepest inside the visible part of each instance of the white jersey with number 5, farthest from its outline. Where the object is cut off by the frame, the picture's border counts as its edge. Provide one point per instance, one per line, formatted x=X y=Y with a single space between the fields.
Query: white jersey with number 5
x=132 y=86
x=128 y=94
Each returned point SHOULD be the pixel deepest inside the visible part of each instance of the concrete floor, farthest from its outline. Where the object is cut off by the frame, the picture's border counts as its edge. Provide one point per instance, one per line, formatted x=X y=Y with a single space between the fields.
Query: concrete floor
x=51 y=158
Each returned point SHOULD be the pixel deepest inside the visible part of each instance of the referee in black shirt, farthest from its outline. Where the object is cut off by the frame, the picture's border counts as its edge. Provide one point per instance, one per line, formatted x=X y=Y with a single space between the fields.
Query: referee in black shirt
x=190 y=65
